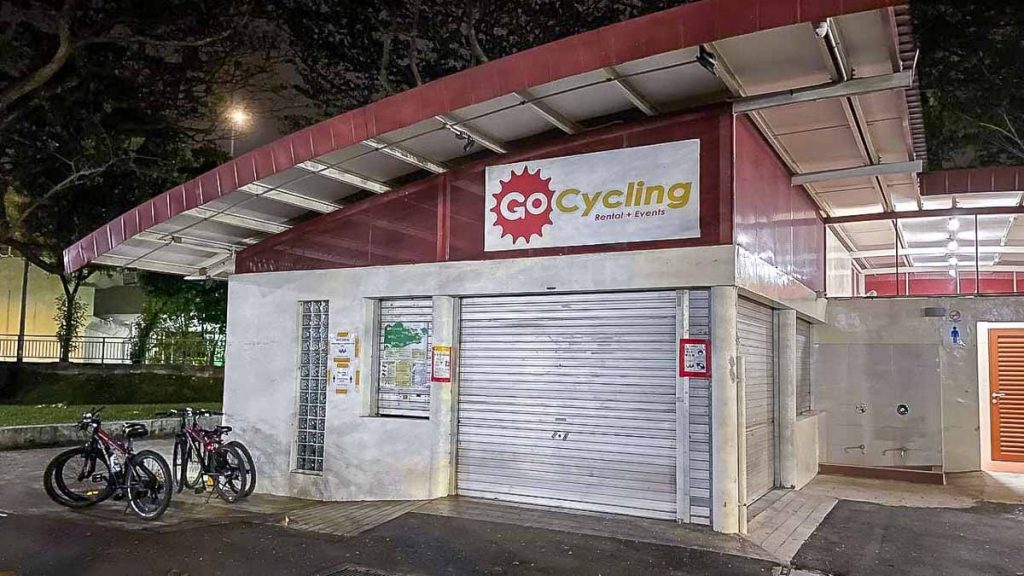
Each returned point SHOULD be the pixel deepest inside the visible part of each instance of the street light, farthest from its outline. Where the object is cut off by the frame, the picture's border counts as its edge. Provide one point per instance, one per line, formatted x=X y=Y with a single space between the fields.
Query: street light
x=238 y=118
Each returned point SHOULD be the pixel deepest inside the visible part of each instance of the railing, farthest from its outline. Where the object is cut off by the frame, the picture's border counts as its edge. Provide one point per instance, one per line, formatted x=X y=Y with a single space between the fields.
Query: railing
x=116 y=350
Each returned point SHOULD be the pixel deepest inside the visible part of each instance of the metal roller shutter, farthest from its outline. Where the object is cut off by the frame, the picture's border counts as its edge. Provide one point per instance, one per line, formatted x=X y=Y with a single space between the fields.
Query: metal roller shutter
x=803 y=366
x=570 y=400
x=403 y=382
x=699 y=305
x=756 y=344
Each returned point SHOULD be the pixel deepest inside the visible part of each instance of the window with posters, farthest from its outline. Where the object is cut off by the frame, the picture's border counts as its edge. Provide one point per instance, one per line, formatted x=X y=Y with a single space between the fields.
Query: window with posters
x=403 y=357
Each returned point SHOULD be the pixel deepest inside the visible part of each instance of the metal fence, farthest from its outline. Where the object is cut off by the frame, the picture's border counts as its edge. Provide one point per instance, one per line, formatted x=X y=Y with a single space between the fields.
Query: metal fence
x=192 y=350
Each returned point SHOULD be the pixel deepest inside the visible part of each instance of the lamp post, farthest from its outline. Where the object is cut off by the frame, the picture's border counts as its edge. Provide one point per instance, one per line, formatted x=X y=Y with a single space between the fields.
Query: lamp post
x=238 y=118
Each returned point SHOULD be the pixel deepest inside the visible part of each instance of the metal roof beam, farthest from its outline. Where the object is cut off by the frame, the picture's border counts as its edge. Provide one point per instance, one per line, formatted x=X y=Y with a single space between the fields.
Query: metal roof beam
x=145 y=264
x=545 y=111
x=238 y=220
x=290 y=197
x=966 y=267
x=405 y=156
x=335 y=173
x=912 y=167
x=941 y=213
x=631 y=92
x=899 y=80
x=459 y=127
x=194 y=241
x=936 y=251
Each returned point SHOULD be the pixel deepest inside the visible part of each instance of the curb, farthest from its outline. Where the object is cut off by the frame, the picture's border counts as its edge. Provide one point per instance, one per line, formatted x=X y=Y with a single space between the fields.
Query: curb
x=45 y=435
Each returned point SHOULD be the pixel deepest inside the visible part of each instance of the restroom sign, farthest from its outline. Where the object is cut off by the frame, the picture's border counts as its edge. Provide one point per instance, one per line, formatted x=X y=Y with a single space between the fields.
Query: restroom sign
x=694 y=358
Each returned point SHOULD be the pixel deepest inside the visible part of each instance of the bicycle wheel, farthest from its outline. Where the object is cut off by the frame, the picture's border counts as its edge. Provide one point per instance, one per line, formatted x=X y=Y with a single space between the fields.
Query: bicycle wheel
x=149 y=485
x=250 y=466
x=179 y=463
x=78 y=478
x=231 y=477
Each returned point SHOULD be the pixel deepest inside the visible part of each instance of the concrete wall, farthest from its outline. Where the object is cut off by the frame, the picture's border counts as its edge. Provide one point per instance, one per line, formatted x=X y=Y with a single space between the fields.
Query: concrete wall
x=370 y=457
x=866 y=329
x=805 y=440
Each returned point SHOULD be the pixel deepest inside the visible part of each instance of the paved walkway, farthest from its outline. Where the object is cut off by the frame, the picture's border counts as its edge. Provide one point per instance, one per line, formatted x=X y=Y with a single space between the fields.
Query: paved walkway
x=877 y=528
x=202 y=535
x=788 y=521
x=864 y=539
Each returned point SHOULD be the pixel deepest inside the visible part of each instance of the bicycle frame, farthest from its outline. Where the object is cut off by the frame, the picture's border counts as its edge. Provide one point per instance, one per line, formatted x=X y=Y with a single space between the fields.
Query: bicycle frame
x=203 y=441
x=104 y=444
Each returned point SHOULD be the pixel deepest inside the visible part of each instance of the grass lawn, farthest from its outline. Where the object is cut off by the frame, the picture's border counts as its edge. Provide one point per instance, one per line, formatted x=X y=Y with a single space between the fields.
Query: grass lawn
x=16 y=415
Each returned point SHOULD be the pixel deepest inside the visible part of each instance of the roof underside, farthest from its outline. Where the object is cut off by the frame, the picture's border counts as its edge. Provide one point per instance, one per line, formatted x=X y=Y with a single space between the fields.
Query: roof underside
x=317 y=171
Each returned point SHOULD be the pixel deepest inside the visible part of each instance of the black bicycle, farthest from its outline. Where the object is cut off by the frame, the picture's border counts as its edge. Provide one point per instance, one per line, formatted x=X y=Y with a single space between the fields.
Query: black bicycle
x=106 y=467
x=202 y=459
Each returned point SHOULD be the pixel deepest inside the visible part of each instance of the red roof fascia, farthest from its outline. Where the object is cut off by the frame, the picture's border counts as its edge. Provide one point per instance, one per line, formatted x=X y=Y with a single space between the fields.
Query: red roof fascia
x=973 y=180
x=673 y=29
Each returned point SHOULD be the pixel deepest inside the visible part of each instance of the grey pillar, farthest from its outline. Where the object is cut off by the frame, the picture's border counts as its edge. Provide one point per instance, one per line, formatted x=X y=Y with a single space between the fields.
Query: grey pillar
x=724 y=427
x=786 y=322
x=442 y=400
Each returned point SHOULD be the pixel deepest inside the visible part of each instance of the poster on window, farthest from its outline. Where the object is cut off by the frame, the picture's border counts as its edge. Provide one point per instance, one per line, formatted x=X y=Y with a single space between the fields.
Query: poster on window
x=404 y=356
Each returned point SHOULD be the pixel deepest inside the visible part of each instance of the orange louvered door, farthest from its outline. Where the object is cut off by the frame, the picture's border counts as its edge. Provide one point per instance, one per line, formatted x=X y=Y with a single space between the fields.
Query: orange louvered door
x=1006 y=399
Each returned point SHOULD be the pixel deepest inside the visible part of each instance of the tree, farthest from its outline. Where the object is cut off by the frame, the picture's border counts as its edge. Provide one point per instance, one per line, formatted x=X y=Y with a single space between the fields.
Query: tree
x=971 y=64
x=104 y=103
x=70 y=316
x=185 y=320
x=349 y=54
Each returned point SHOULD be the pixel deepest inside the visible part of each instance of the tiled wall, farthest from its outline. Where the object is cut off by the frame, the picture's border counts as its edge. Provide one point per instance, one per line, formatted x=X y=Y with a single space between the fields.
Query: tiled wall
x=859 y=386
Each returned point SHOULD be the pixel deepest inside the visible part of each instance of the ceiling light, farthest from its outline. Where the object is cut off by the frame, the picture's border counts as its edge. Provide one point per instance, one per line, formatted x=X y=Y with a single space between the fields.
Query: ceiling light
x=953 y=246
x=953 y=224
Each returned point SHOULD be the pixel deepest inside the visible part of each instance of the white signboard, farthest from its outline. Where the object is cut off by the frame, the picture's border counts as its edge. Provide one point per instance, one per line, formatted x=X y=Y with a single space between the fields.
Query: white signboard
x=627 y=195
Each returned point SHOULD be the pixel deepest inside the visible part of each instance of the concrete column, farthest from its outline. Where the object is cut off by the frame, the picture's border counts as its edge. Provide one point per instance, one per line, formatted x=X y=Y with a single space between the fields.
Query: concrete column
x=724 y=419
x=442 y=412
x=785 y=321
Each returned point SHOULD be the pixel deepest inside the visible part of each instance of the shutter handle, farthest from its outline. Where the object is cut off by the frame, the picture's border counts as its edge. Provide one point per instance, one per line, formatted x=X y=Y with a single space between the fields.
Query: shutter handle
x=996 y=396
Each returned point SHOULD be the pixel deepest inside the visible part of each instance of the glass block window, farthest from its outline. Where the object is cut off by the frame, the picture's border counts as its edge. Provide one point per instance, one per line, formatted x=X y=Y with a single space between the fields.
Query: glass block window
x=312 y=386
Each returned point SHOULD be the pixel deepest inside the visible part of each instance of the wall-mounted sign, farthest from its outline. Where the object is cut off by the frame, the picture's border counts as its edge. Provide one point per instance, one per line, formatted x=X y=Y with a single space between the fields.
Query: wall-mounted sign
x=344 y=348
x=627 y=195
x=403 y=356
x=694 y=358
x=441 y=365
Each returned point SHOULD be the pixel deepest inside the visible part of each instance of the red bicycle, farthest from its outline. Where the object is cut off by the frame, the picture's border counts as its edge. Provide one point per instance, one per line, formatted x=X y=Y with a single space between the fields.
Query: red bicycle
x=107 y=467
x=202 y=459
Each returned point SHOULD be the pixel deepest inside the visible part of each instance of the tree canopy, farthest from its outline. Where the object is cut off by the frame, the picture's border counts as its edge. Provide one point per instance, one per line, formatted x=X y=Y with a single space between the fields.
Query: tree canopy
x=971 y=66
x=348 y=54
x=105 y=103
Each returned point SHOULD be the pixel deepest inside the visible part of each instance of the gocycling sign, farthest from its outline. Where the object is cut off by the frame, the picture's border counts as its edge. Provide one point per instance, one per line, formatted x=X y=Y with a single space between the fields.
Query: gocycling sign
x=627 y=195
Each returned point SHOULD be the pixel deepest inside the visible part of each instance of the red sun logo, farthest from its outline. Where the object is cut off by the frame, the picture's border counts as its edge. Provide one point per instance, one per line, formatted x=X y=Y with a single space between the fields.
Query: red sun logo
x=523 y=205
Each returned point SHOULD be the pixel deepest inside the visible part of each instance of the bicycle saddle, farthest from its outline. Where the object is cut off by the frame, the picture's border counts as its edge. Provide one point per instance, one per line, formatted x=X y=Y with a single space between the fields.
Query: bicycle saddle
x=135 y=430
